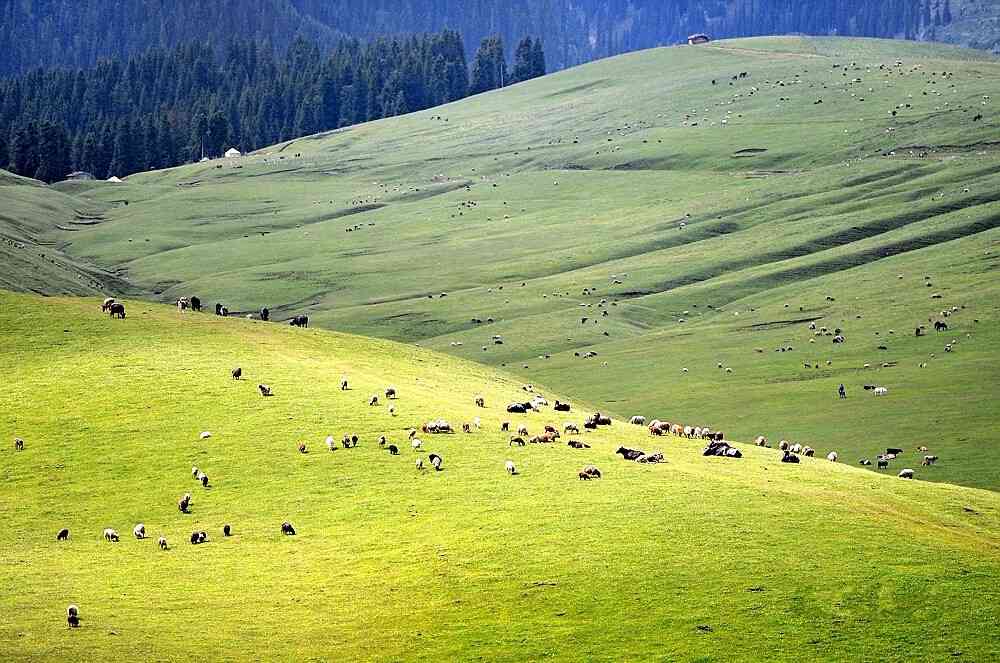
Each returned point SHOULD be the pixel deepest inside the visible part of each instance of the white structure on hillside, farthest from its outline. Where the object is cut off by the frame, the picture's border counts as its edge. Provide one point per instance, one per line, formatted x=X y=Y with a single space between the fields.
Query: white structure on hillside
x=233 y=153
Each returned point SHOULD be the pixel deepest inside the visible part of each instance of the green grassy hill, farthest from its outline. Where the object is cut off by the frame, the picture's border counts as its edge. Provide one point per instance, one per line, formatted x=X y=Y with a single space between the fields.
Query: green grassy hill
x=716 y=220
x=694 y=559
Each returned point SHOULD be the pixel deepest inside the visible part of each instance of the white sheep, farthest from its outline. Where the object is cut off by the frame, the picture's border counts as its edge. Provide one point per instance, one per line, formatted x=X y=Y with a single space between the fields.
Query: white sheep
x=416 y=444
x=832 y=456
x=881 y=391
x=906 y=474
x=139 y=531
x=760 y=441
x=162 y=542
x=420 y=463
x=796 y=448
x=638 y=420
x=511 y=470
x=522 y=430
x=110 y=535
x=205 y=435
x=331 y=443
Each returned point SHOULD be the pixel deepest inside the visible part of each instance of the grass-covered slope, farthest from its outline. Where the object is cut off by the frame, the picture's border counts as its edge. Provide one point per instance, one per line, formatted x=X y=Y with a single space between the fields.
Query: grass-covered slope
x=694 y=559
x=32 y=215
x=697 y=210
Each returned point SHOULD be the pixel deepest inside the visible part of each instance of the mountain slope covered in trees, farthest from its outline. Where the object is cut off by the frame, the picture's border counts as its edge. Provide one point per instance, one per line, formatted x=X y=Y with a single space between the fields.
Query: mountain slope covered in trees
x=63 y=33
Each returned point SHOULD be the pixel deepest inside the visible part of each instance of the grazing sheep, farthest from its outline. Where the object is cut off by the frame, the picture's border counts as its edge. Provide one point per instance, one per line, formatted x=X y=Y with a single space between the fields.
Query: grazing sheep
x=783 y=445
x=721 y=448
x=63 y=534
x=392 y=410
x=162 y=542
x=808 y=451
x=789 y=457
x=929 y=460
x=466 y=428
x=760 y=441
x=373 y=401
x=331 y=443
x=880 y=391
x=864 y=461
x=106 y=305
x=390 y=393
x=139 y=531
x=195 y=472
x=265 y=314
x=265 y=390
x=906 y=474
x=205 y=435
x=832 y=456
x=571 y=428
x=184 y=503
x=584 y=476
x=18 y=444
x=796 y=448
x=343 y=383
x=637 y=420
x=511 y=470
x=435 y=461
x=651 y=458
x=591 y=471
x=117 y=310
x=504 y=426
x=516 y=441
x=299 y=321
x=393 y=450
x=227 y=530
x=881 y=463
x=204 y=480
x=522 y=430
x=302 y=448
x=287 y=529
x=561 y=407
x=110 y=535
x=480 y=401
x=576 y=444
x=73 y=616
x=416 y=444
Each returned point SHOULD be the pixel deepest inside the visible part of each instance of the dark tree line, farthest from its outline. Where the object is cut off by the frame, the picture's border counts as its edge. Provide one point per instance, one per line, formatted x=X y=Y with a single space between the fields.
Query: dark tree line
x=167 y=107
x=79 y=33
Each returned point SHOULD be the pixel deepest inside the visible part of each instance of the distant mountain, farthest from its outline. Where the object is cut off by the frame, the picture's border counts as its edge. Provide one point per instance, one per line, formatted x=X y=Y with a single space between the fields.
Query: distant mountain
x=77 y=33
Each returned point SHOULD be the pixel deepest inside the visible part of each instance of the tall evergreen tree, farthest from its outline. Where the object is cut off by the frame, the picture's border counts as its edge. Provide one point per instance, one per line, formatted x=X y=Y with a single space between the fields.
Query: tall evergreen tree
x=524 y=67
x=53 y=153
x=538 y=59
x=489 y=68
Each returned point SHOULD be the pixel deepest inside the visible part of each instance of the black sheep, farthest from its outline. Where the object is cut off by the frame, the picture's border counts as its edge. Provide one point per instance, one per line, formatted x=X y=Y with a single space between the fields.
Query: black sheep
x=226 y=530
x=237 y=373
x=629 y=454
x=393 y=450
x=62 y=535
x=287 y=529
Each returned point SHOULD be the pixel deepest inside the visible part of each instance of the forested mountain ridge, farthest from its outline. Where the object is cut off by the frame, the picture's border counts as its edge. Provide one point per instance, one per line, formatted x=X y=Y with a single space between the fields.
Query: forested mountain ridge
x=77 y=34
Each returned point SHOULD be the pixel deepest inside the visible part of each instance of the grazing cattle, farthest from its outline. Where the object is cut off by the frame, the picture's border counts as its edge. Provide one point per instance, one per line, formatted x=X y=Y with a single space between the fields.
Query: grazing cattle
x=139 y=531
x=435 y=461
x=390 y=393
x=218 y=308
x=73 y=616
x=659 y=427
x=18 y=444
x=571 y=428
x=63 y=534
x=783 y=445
x=195 y=304
x=182 y=304
x=466 y=428
x=576 y=444
x=929 y=460
x=517 y=408
x=393 y=450
x=184 y=503
x=881 y=463
x=237 y=373
x=561 y=407
x=940 y=325
x=590 y=423
x=117 y=310
x=299 y=321
x=651 y=458
x=637 y=420
x=265 y=390
x=602 y=420
x=106 y=305
x=110 y=535
x=789 y=457
x=584 y=476
x=760 y=441
x=832 y=456
x=906 y=474
x=504 y=426
x=287 y=529
x=796 y=448
x=591 y=471
x=629 y=454
x=480 y=401
x=195 y=538
x=204 y=478
x=808 y=451
x=227 y=530
x=162 y=542
x=516 y=441
x=511 y=470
